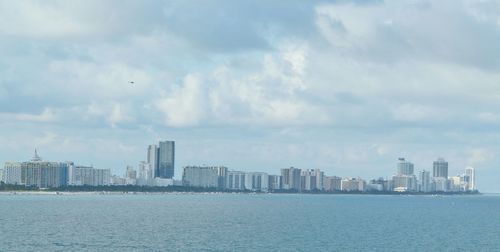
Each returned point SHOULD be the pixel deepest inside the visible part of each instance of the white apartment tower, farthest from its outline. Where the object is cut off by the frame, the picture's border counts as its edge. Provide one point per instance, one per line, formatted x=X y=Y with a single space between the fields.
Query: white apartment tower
x=470 y=173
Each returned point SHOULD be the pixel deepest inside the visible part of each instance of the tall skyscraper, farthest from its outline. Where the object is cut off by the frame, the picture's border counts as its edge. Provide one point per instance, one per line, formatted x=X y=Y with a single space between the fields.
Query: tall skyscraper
x=424 y=181
x=440 y=168
x=166 y=160
x=471 y=175
x=405 y=167
x=152 y=158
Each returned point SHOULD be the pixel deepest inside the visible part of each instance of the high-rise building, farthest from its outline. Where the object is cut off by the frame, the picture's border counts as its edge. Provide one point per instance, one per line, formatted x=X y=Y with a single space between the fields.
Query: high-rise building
x=257 y=181
x=308 y=180
x=404 y=180
x=424 y=181
x=152 y=157
x=235 y=180
x=166 y=160
x=12 y=173
x=320 y=179
x=291 y=178
x=404 y=167
x=471 y=178
x=440 y=168
x=37 y=173
x=222 y=173
x=312 y=179
x=275 y=182
x=200 y=176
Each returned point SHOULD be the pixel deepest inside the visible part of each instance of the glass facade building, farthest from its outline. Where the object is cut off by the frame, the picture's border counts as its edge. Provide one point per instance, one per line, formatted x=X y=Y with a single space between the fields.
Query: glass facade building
x=440 y=168
x=166 y=160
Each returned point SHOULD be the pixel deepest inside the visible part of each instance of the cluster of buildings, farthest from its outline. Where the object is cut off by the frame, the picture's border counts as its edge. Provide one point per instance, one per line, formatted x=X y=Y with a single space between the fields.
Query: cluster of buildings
x=157 y=171
x=44 y=174
x=159 y=168
x=405 y=180
x=315 y=180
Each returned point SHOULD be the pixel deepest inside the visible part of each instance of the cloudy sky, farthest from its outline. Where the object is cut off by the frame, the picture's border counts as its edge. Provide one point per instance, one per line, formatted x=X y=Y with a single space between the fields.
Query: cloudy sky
x=347 y=87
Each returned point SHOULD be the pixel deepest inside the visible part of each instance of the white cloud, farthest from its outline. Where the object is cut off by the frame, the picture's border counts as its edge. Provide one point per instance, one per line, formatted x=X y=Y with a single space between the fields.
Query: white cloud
x=184 y=105
x=47 y=115
x=270 y=96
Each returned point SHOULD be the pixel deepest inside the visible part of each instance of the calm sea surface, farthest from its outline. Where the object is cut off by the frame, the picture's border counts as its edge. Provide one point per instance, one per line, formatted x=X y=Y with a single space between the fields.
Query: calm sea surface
x=245 y=222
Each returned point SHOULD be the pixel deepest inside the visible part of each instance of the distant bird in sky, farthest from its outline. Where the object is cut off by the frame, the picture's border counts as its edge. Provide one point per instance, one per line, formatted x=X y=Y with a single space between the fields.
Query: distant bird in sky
x=131 y=82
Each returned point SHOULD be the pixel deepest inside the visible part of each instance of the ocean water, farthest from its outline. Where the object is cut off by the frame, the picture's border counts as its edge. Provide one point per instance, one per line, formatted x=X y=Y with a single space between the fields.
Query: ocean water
x=249 y=222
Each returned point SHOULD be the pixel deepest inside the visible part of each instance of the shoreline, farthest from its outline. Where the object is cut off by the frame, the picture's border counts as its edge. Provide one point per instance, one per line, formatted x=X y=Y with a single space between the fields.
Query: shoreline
x=69 y=193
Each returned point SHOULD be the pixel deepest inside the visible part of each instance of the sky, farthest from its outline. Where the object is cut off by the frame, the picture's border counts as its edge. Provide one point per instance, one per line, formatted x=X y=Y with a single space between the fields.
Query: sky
x=344 y=86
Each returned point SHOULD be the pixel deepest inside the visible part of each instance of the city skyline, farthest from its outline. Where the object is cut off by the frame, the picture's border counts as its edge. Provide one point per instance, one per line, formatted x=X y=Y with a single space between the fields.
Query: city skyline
x=265 y=125
x=47 y=174
x=342 y=86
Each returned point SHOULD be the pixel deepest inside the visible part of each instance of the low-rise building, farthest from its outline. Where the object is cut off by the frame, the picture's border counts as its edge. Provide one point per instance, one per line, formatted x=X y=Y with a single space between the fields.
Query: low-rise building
x=164 y=182
x=407 y=183
x=88 y=175
x=440 y=184
x=118 y=181
x=131 y=175
x=456 y=183
x=352 y=184
x=146 y=174
x=332 y=183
